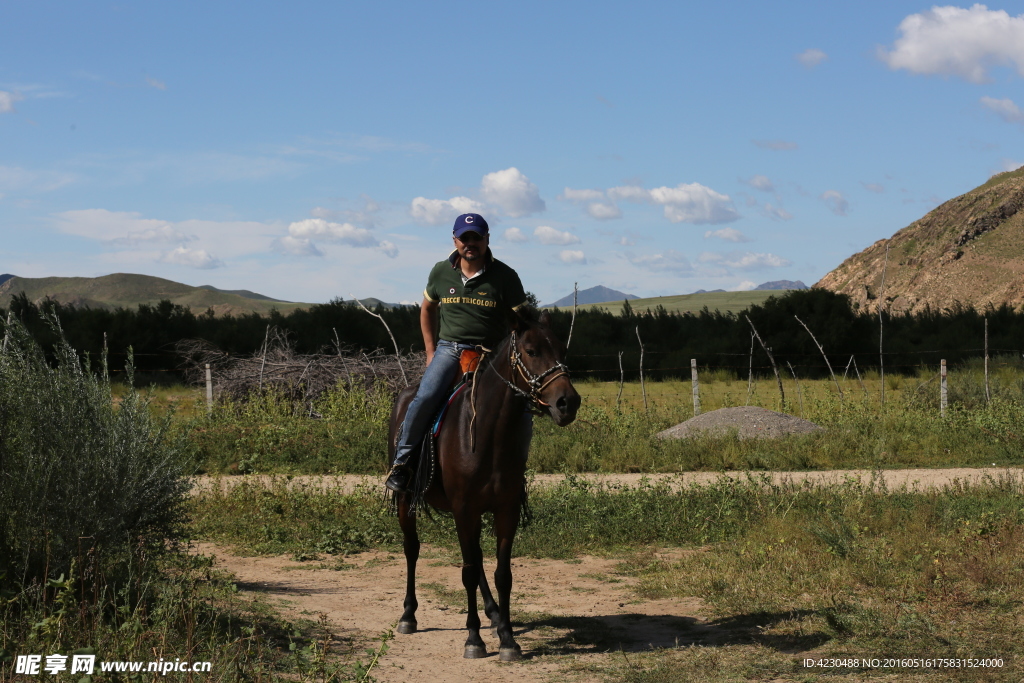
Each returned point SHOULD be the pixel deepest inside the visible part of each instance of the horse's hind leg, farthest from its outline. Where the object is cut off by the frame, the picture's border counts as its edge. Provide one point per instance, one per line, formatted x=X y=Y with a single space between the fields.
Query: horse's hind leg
x=411 y=545
x=490 y=606
x=468 y=527
x=505 y=524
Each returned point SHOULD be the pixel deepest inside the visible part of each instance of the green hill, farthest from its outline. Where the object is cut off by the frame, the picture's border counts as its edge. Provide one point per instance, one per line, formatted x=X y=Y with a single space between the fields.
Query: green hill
x=127 y=290
x=726 y=302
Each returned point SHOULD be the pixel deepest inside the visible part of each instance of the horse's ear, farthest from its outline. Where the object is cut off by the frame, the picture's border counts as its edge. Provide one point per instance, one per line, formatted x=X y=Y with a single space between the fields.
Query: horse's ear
x=522 y=317
x=545 y=319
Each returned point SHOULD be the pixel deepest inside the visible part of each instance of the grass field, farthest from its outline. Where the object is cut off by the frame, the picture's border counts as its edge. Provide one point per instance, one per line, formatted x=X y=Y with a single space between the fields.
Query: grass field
x=843 y=571
x=615 y=432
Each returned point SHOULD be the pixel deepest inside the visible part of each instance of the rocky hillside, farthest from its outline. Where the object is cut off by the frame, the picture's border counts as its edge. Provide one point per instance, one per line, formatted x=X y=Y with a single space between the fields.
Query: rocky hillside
x=968 y=251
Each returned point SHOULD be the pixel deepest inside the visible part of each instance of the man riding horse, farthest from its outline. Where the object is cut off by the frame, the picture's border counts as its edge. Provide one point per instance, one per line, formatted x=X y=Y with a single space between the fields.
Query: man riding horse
x=466 y=305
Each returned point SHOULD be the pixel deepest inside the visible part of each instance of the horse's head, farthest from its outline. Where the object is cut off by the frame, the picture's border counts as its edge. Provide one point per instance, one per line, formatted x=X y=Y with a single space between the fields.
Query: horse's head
x=538 y=369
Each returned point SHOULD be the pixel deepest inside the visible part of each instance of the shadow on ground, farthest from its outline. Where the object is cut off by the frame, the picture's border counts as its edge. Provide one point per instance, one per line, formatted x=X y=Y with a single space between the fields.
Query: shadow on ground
x=640 y=632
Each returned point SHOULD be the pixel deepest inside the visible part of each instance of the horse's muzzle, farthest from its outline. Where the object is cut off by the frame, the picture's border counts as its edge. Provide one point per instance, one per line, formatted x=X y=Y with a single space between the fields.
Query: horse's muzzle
x=564 y=405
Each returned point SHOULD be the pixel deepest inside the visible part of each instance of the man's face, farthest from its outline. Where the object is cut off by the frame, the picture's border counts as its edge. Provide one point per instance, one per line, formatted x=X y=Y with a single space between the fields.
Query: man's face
x=471 y=245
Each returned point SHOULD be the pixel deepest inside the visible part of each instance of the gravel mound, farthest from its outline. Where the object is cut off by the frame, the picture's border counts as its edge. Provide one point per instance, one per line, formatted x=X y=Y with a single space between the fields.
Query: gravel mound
x=749 y=421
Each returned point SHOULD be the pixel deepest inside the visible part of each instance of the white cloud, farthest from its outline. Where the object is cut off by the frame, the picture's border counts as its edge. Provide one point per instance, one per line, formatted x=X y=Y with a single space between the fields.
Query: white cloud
x=297 y=246
x=744 y=286
x=346 y=233
x=301 y=233
x=597 y=205
x=952 y=41
x=550 y=236
x=193 y=258
x=516 y=236
x=154 y=83
x=442 y=211
x=877 y=188
x=572 y=256
x=776 y=145
x=1010 y=165
x=761 y=182
x=744 y=260
x=571 y=195
x=7 y=100
x=811 y=57
x=836 y=202
x=727 y=234
x=670 y=262
x=776 y=212
x=1006 y=109
x=156 y=232
x=512 y=192
x=603 y=211
x=684 y=203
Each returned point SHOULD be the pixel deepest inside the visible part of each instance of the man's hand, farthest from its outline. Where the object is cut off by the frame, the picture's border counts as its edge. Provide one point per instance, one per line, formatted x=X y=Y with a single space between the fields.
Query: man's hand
x=428 y=326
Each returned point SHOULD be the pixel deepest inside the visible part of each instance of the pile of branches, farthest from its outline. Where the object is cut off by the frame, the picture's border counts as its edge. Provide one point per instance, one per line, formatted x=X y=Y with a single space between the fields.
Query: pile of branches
x=299 y=377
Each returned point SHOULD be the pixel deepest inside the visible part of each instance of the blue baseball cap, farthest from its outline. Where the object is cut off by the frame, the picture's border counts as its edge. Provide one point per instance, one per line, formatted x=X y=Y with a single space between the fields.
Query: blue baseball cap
x=470 y=222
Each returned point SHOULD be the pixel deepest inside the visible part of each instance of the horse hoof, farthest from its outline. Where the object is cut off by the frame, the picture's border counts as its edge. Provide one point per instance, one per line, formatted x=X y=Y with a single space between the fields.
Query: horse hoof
x=474 y=652
x=510 y=654
x=406 y=627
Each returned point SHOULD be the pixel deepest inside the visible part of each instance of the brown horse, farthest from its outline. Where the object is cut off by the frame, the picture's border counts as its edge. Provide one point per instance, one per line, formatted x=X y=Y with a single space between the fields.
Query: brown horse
x=481 y=464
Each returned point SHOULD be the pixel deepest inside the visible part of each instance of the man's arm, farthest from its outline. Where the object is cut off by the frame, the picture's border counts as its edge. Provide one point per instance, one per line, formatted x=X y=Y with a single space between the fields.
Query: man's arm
x=428 y=326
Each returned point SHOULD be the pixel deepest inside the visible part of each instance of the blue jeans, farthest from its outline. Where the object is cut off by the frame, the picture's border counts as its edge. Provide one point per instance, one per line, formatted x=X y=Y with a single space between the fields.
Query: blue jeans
x=437 y=378
x=433 y=390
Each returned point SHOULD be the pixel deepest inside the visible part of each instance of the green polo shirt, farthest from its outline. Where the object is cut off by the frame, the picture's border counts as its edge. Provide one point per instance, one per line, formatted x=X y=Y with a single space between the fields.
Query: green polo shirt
x=475 y=312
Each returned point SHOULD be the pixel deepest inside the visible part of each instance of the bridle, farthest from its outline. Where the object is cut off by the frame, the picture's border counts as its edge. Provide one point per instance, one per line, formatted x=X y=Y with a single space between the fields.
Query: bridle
x=536 y=383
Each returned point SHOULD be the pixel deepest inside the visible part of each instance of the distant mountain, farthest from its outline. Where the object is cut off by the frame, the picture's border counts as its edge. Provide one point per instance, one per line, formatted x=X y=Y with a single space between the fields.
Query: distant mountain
x=780 y=284
x=594 y=295
x=968 y=251
x=244 y=293
x=708 y=291
x=373 y=302
x=128 y=290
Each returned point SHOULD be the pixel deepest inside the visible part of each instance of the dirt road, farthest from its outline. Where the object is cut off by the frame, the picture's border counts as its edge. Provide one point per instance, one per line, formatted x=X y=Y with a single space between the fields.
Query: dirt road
x=578 y=612
x=912 y=478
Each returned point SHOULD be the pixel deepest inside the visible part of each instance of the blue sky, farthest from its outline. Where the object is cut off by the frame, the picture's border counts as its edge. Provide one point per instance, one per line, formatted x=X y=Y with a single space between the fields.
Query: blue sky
x=314 y=150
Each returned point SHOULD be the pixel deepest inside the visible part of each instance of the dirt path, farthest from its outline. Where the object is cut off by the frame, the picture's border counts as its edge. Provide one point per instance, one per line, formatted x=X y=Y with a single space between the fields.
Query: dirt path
x=577 y=610
x=912 y=478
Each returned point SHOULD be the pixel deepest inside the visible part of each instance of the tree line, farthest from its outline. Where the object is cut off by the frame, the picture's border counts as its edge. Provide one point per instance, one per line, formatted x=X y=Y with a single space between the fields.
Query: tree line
x=670 y=340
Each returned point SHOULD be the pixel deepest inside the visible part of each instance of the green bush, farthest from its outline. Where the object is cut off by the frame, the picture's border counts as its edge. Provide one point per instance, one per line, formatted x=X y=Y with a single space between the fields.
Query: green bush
x=268 y=432
x=79 y=475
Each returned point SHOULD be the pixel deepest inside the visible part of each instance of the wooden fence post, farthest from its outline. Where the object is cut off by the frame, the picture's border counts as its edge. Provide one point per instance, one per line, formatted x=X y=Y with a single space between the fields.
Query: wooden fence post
x=209 y=389
x=943 y=396
x=988 y=394
x=750 y=370
x=622 y=379
x=696 y=387
x=643 y=388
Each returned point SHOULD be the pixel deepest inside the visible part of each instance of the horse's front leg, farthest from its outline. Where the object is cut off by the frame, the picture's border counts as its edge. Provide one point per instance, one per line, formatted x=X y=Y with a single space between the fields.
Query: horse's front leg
x=468 y=526
x=505 y=525
x=411 y=545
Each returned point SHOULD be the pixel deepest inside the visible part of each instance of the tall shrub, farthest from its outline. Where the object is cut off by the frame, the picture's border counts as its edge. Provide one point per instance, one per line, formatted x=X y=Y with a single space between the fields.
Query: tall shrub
x=78 y=474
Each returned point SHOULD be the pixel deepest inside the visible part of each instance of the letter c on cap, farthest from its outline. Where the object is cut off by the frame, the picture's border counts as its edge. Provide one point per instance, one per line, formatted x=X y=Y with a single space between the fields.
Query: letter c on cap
x=468 y=219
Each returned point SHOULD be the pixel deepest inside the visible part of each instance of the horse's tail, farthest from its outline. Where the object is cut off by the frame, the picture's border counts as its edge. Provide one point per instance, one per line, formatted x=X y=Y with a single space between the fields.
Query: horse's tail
x=525 y=512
